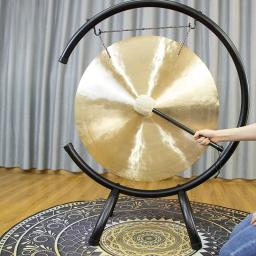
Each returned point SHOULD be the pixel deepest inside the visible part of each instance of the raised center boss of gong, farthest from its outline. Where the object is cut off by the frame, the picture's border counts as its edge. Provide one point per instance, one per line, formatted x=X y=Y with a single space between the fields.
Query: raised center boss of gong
x=144 y=105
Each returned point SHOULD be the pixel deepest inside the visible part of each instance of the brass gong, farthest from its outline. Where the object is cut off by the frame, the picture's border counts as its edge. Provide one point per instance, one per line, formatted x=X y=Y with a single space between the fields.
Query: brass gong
x=114 y=101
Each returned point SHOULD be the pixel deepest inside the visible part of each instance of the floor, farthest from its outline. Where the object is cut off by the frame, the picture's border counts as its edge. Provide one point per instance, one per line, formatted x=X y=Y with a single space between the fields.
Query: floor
x=23 y=193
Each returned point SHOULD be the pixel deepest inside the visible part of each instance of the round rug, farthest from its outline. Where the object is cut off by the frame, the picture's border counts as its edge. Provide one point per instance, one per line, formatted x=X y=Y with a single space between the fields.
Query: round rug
x=138 y=227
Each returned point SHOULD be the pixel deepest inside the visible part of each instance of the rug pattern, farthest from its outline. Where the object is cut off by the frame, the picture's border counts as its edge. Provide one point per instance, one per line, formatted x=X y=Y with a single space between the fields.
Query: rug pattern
x=139 y=227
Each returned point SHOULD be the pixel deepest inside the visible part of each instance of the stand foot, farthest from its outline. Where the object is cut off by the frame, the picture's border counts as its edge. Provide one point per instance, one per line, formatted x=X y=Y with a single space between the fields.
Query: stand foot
x=186 y=209
x=103 y=218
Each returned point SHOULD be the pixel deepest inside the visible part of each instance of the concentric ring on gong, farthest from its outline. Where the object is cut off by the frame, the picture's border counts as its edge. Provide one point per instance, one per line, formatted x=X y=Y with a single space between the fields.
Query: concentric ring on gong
x=146 y=238
x=137 y=146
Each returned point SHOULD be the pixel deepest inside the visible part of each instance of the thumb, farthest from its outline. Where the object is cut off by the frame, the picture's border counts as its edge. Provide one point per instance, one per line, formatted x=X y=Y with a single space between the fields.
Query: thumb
x=197 y=134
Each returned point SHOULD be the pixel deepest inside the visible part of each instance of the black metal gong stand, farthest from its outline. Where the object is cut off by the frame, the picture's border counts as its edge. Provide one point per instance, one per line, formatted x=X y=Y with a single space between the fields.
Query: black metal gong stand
x=179 y=190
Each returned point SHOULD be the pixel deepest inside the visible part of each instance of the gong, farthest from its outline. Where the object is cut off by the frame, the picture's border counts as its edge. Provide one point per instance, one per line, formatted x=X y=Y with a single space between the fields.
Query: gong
x=116 y=96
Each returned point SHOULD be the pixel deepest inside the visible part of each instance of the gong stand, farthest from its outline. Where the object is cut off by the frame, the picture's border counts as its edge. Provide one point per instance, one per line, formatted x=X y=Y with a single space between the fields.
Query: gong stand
x=179 y=190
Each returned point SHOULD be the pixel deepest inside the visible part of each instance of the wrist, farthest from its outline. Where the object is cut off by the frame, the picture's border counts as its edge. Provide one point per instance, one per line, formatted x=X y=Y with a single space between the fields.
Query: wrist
x=221 y=135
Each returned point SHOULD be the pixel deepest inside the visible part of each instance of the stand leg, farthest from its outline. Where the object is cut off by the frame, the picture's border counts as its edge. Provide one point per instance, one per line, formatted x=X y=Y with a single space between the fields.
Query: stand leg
x=189 y=220
x=114 y=204
x=103 y=218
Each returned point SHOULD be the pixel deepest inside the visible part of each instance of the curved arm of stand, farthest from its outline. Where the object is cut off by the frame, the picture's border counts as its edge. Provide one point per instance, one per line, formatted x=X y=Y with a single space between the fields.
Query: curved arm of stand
x=186 y=209
x=69 y=148
x=92 y=22
x=199 y=16
x=103 y=218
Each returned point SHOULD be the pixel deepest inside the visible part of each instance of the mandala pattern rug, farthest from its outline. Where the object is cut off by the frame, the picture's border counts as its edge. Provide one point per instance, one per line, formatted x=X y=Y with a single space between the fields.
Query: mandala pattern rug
x=138 y=227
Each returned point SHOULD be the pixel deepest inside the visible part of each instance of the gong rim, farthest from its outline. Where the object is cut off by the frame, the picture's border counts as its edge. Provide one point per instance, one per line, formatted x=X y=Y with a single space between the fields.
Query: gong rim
x=226 y=41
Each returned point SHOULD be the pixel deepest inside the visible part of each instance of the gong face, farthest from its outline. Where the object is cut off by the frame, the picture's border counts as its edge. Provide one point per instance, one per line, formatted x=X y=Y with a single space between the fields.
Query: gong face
x=145 y=72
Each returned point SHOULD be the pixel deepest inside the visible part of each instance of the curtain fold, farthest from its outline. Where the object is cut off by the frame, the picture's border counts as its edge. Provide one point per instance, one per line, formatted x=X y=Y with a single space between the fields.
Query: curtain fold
x=37 y=92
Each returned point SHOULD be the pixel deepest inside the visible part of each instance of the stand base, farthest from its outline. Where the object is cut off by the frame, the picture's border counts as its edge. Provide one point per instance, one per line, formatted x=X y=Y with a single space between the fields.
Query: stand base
x=109 y=206
x=113 y=197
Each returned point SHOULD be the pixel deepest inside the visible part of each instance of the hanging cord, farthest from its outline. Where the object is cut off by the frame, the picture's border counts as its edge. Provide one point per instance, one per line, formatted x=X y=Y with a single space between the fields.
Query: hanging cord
x=147 y=28
x=101 y=39
x=186 y=36
x=100 y=32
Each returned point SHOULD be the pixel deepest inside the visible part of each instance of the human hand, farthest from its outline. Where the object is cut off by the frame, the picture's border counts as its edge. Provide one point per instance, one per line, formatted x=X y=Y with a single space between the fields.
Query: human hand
x=253 y=220
x=204 y=137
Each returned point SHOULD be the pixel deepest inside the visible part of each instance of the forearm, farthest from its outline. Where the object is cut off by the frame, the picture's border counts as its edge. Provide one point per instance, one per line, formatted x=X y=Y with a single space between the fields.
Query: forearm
x=244 y=133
